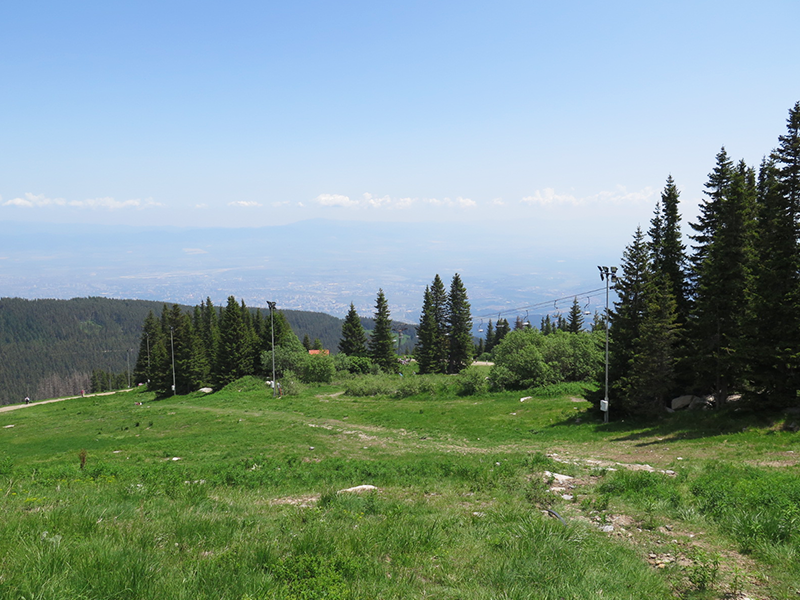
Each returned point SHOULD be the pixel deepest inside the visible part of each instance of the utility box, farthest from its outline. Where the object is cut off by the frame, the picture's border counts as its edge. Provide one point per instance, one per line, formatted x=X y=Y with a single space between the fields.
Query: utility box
x=604 y=405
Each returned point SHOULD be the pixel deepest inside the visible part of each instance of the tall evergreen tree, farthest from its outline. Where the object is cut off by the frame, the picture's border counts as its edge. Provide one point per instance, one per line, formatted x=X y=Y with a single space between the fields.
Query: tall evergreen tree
x=381 y=342
x=774 y=344
x=426 y=353
x=501 y=330
x=354 y=340
x=575 y=318
x=235 y=356
x=459 y=321
x=439 y=305
x=668 y=250
x=151 y=338
x=489 y=337
x=433 y=339
x=722 y=267
x=188 y=355
x=643 y=328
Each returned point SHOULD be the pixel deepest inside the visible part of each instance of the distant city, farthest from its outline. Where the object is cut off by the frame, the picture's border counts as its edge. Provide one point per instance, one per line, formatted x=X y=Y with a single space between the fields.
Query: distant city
x=348 y=262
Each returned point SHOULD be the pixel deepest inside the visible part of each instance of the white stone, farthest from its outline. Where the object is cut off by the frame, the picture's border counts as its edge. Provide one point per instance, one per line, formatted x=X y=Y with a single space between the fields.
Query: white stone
x=359 y=489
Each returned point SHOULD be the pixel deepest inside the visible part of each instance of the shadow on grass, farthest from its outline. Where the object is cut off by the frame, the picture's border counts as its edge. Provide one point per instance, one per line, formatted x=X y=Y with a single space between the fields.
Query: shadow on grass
x=685 y=425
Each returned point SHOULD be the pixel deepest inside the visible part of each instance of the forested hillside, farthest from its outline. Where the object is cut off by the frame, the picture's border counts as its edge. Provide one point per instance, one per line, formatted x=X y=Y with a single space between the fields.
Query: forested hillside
x=51 y=347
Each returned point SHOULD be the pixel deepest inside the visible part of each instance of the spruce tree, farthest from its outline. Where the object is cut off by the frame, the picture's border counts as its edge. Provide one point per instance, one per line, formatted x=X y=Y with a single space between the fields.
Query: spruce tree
x=459 y=322
x=668 y=251
x=439 y=305
x=354 y=340
x=381 y=342
x=151 y=338
x=501 y=330
x=643 y=327
x=575 y=318
x=722 y=267
x=234 y=356
x=489 y=337
x=426 y=352
x=433 y=340
x=774 y=341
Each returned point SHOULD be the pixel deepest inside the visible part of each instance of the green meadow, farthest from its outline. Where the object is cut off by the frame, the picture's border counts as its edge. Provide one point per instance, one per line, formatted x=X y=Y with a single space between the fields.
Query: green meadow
x=239 y=495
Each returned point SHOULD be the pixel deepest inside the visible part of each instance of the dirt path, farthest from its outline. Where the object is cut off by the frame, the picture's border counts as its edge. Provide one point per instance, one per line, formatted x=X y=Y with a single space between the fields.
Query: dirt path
x=16 y=406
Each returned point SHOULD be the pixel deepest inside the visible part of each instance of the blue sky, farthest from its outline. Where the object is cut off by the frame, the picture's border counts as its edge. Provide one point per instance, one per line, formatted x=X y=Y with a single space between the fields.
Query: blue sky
x=259 y=113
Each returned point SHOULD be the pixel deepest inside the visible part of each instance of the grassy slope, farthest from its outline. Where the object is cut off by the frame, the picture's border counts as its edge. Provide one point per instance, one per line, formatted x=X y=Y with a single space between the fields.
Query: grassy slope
x=250 y=511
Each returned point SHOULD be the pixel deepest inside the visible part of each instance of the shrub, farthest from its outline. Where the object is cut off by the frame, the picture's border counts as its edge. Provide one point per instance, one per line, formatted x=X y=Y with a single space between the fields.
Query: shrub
x=317 y=368
x=470 y=382
x=357 y=365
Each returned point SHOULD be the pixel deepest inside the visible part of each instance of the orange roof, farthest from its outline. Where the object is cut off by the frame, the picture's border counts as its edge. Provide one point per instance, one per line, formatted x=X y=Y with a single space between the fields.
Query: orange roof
x=325 y=352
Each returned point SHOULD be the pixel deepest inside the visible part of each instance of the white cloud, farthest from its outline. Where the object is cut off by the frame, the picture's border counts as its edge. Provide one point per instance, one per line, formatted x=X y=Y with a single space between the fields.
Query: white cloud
x=38 y=201
x=335 y=200
x=450 y=203
x=244 y=203
x=201 y=205
x=386 y=202
x=498 y=202
x=466 y=202
x=194 y=251
x=279 y=204
x=374 y=202
x=620 y=195
x=112 y=204
x=549 y=196
x=32 y=200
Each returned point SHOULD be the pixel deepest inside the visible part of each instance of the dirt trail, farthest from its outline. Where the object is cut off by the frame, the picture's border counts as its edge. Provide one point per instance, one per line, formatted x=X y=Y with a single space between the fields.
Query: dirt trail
x=16 y=406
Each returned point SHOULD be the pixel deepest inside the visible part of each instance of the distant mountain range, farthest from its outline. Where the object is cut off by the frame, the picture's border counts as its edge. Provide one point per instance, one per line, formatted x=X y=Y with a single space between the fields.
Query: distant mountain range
x=316 y=265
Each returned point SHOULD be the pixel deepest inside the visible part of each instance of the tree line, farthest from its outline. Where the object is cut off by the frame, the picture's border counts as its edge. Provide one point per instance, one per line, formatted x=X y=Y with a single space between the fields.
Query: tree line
x=723 y=317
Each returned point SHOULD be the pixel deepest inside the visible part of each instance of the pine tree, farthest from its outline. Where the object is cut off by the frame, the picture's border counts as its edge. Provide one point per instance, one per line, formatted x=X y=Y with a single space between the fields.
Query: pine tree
x=354 y=340
x=546 y=326
x=188 y=354
x=459 y=321
x=668 y=251
x=439 y=304
x=234 y=356
x=307 y=342
x=209 y=333
x=774 y=344
x=433 y=340
x=501 y=330
x=489 y=337
x=722 y=266
x=426 y=353
x=643 y=327
x=575 y=318
x=381 y=342
x=151 y=337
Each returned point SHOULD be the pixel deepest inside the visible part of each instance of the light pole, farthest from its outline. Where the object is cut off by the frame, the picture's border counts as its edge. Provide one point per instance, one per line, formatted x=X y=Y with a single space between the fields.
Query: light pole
x=172 y=346
x=272 y=331
x=607 y=274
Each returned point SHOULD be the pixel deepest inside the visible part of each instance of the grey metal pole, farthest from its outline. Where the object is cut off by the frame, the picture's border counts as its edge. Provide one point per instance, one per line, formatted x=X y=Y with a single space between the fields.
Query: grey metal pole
x=605 y=419
x=172 y=346
x=272 y=331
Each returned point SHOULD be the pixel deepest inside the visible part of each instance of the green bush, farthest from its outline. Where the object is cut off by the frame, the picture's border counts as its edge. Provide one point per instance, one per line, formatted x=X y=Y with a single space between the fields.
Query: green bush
x=470 y=381
x=371 y=385
x=357 y=365
x=317 y=368
x=527 y=359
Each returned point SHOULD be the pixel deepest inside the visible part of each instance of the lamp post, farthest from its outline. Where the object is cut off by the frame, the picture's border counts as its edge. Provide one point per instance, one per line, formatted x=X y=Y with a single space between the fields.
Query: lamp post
x=172 y=346
x=272 y=331
x=607 y=274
